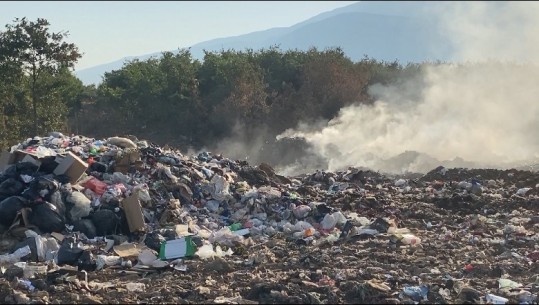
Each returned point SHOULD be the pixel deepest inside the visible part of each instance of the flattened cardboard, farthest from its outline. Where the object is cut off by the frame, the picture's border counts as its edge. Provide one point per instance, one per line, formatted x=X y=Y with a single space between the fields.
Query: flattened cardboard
x=133 y=213
x=71 y=166
x=25 y=213
x=127 y=250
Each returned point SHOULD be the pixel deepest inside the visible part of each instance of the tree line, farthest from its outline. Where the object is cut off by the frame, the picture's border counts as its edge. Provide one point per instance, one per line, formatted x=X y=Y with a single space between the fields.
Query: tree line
x=175 y=99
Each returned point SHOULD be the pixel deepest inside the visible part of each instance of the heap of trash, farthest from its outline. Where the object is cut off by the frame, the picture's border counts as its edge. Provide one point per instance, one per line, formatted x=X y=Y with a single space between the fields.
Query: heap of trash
x=122 y=220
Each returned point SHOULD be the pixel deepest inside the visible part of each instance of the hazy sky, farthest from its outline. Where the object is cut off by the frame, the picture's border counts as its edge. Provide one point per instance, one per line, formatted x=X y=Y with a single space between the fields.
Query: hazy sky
x=106 y=31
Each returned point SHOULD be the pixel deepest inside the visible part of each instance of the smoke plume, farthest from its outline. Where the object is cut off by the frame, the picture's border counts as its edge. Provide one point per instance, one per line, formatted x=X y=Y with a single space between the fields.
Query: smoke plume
x=481 y=110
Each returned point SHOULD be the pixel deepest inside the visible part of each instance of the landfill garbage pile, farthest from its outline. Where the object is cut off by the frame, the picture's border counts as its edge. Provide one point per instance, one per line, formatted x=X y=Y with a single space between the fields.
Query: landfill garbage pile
x=122 y=220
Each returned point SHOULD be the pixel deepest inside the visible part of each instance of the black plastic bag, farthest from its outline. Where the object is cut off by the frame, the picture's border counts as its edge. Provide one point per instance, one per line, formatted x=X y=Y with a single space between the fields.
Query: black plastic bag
x=47 y=182
x=26 y=168
x=47 y=218
x=10 y=172
x=114 y=205
x=105 y=222
x=153 y=241
x=48 y=165
x=380 y=225
x=31 y=193
x=11 y=187
x=9 y=208
x=69 y=254
x=124 y=225
x=31 y=243
x=346 y=229
x=62 y=179
x=4 y=177
x=85 y=226
x=56 y=199
x=86 y=261
x=98 y=167
x=41 y=187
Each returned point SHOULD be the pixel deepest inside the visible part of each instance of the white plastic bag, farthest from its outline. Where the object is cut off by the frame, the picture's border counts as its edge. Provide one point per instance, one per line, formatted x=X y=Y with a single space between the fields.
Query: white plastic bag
x=81 y=205
x=15 y=256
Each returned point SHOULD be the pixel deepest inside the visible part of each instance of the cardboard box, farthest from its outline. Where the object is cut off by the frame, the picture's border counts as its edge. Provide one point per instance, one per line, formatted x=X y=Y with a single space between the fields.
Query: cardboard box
x=7 y=158
x=72 y=166
x=30 y=159
x=133 y=213
x=177 y=248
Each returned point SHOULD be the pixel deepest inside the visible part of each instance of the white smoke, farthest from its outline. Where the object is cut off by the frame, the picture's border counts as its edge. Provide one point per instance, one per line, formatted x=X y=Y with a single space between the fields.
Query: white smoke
x=485 y=110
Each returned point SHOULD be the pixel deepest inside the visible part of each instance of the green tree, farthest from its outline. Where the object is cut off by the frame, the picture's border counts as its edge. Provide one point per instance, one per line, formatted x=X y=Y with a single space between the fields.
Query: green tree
x=40 y=55
x=157 y=97
x=232 y=89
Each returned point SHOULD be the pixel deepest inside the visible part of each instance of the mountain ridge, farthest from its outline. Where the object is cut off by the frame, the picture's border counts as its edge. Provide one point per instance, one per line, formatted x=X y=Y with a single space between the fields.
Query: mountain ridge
x=388 y=31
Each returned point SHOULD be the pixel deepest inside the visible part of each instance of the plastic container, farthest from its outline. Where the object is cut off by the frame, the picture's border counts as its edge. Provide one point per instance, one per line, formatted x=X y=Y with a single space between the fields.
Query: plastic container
x=97 y=186
x=329 y=222
x=29 y=270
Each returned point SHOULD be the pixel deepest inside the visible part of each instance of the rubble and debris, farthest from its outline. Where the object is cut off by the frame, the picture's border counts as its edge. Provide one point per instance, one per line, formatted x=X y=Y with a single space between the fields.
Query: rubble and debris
x=117 y=220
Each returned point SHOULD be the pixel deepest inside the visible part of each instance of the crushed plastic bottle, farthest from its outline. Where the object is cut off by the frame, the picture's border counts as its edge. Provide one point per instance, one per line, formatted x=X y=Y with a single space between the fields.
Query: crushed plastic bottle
x=104 y=260
x=494 y=299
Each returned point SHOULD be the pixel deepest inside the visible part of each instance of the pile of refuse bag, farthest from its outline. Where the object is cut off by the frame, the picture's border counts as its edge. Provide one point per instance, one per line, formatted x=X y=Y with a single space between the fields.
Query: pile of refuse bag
x=121 y=203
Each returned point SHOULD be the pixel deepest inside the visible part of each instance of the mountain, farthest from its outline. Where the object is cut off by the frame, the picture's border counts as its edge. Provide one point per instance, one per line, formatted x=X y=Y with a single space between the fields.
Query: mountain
x=403 y=31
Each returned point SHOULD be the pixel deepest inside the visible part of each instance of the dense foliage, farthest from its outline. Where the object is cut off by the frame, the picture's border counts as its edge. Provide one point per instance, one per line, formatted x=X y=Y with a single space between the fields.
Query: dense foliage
x=37 y=88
